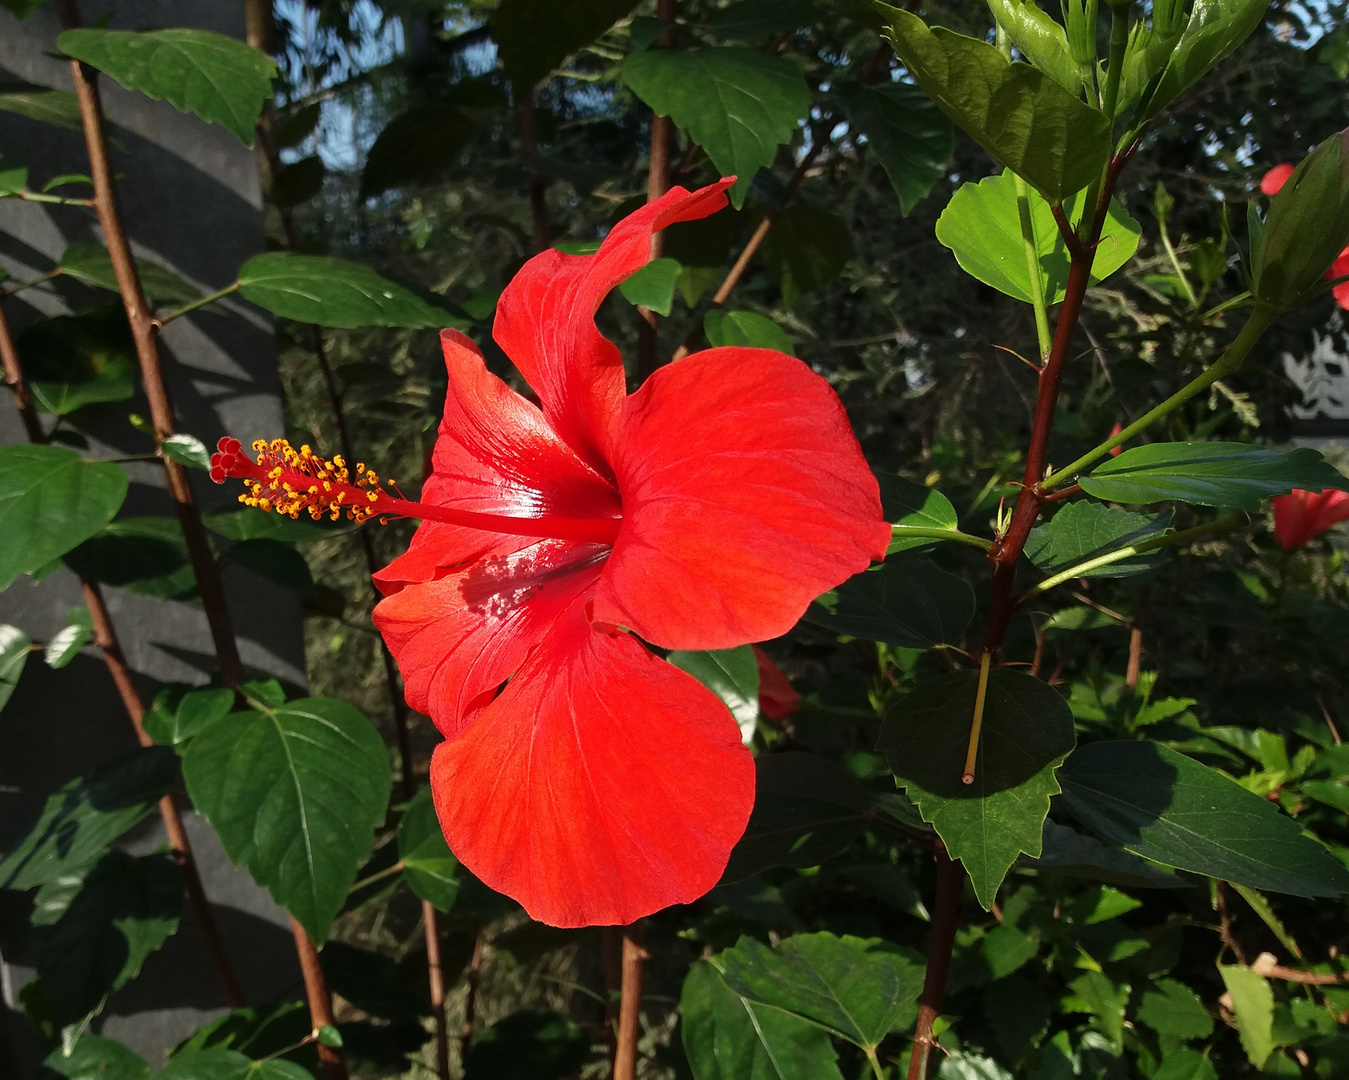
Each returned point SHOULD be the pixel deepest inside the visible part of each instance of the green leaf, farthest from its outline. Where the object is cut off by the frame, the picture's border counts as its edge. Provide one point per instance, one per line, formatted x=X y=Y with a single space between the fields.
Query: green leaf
x=125 y=910
x=217 y=1063
x=905 y=602
x=187 y=450
x=50 y=501
x=1214 y=30
x=727 y=1037
x=21 y=9
x=87 y=815
x=292 y=128
x=12 y=181
x=278 y=562
x=77 y=360
x=1096 y=993
x=1027 y=732
x=1064 y=851
x=145 y=556
x=1040 y=40
x=66 y=644
x=745 y=328
x=329 y=1036
x=58 y=107
x=92 y=264
x=95 y=1058
x=429 y=868
x=177 y=715
x=534 y=36
x=738 y=104
x=905 y=132
x=982 y=227
x=859 y=989
x=14 y=649
x=751 y=21
x=959 y=1066
x=806 y=809
x=295 y=796
x=652 y=286
x=915 y=506
x=731 y=674
x=1253 y=1007
x=527 y=1045
x=1172 y=1008
x=333 y=292
x=417 y=146
x=376 y=983
x=221 y=80
x=247 y=523
x=805 y=248
x=1169 y=808
x=298 y=182
x=1021 y=116
x=1185 y=1064
x=1261 y=906
x=1083 y=530
x=1210 y=474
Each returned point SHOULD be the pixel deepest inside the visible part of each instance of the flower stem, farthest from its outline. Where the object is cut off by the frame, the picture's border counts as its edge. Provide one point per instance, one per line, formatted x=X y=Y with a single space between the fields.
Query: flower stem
x=918 y=532
x=630 y=1004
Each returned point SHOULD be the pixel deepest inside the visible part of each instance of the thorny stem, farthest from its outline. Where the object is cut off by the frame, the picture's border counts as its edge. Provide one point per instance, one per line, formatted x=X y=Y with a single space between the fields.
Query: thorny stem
x=657 y=180
x=630 y=1004
x=945 y=923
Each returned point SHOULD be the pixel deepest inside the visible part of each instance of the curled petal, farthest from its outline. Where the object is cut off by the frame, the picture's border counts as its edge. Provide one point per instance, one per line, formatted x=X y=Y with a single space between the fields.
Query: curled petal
x=545 y=319
x=745 y=496
x=602 y=785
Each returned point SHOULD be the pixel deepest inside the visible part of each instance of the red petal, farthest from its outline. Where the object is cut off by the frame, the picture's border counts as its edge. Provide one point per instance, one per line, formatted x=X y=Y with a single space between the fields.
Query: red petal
x=459 y=637
x=778 y=699
x=1339 y=268
x=1300 y=516
x=602 y=785
x=1273 y=181
x=745 y=496
x=495 y=453
x=545 y=320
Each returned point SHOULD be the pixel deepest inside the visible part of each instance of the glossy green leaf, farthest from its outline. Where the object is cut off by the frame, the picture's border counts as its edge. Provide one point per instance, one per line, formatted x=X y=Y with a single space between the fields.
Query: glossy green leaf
x=859 y=989
x=221 y=80
x=906 y=133
x=906 y=602
x=92 y=264
x=745 y=328
x=1027 y=732
x=1169 y=808
x=653 y=285
x=146 y=556
x=805 y=248
x=738 y=104
x=1063 y=851
x=982 y=227
x=58 y=107
x=187 y=450
x=177 y=714
x=67 y=642
x=1172 y=1008
x=15 y=646
x=912 y=505
x=275 y=560
x=429 y=868
x=1021 y=116
x=417 y=146
x=95 y=1058
x=535 y=36
x=295 y=796
x=77 y=360
x=1214 y=29
x=1253 y=1006
x=50 y=501
x=806 y=809
x=1083 y=530
x=728 y=1037
x=298 y=182
x=333 y=292
x=527 y=1045
x=217 y=1063
x=731 y=674
x=1210 y=474
x=1039 y=39
x=126 y=909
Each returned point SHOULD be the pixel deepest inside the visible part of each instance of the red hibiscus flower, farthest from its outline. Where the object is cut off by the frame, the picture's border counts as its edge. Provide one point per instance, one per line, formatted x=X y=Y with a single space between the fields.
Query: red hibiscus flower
x=1271 y=184
x=1301 y=515
x=581 y=774
x=777 y=698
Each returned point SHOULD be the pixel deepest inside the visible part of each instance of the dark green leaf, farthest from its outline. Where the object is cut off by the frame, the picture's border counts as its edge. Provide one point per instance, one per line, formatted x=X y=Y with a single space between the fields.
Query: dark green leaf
x=298 y=182
x=1021 y=116
x=217 y=1063
x=298 y=126
x=859 y=989
x=1167 y=807
x=295 y=796
x=727 y=1037
x=1253 y=1006
x=77 y=360
x=67 y=642
x=92 y=264
x=738 y=104
x=905 y=602
x=50 y=501
x=429 y=868
x=176 y=716
x=535 y=36
x=751 y=21
x=1064 y=851
x=376 y=983
x=248 y=523
x=14 y=649
x=731 y=674
x=58 y=107
x=1185 y=1064
x=187 y=450
x=745 y=328
x=221 y=80
x=652 y=286
x=21 y=9
x=912 y=505
x=527 y=1045
x=1172 y=1008
x=982 y=227
x=125 y=910
x=806 y=809
x=905 y=132
x=95 y=1058
x=278 y=562
x=332 y=292
x=417 y=146
x=1027 y=732
x=806 y=248
x=1210 y=474
x=146 y=556
x=1083 y=530
x=256 y=1032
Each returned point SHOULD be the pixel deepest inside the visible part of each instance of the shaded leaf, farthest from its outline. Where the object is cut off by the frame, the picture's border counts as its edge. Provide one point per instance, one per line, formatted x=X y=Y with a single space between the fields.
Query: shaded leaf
x=417 y=146
x=275 y=560
x=745 y=328
x=247 y=523
x=1083 y=530
x=14 y=649
x=429 y=868
x=376 y=983
x=298 y=182
x=58 y=107
x=906 y=602
x=912 y=505
x=218 y=1063
x=751 y=21
x=805 y=248
x=731 y=674
x=178 y=714
x=146 y=556
x=92 y=264
x=94 y=1058
x=294 y=128
x=1064 y=851
x=906 y=133
x=527 y=1045
x=77 y=360
x=535 y=36
x=653 y=285
x=67 y=642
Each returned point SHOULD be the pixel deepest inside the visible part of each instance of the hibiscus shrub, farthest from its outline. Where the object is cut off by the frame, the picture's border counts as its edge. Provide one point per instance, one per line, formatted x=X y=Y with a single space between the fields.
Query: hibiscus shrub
x=683 y=636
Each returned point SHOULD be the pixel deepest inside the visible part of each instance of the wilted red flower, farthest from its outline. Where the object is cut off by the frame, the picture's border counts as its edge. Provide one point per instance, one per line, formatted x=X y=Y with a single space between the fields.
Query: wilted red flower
x=1302 y=515
x=777 y=698
x=1271 y=184
x=581 y=774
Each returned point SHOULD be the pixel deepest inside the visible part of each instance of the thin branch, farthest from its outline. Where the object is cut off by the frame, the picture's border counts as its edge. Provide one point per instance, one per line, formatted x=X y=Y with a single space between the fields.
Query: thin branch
x=23 y=398
x=529 y=144
x=471 y=995
x=630 y=1005
x=657 y=180
x=945 y=923
x=320 y=1004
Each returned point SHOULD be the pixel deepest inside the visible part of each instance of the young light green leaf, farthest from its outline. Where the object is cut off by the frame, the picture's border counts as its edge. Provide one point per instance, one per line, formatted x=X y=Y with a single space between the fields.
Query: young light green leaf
x=187 y=450
x=745 y=328
x=60 y=108
x=415 y=147
x=906 y=602
x=1040 y=40
x=1253 y=1007
x=295 y=795
x=652 y=286
x=50 y=501
x=92 y=264
x=731 y=674
x=70 y=639
x=738 y=104
x=429 y=868
x=1172 y=1008
x=806 y=248
x=221 y=80
x=1083 y=530
x=14 y=649
x=905 y=131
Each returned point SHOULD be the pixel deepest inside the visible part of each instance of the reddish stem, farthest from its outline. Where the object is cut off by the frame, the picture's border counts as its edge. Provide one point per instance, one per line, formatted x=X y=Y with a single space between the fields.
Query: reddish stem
x=945 y=923
x=23 y=398
x=320 y=1004
x=630 y=1004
